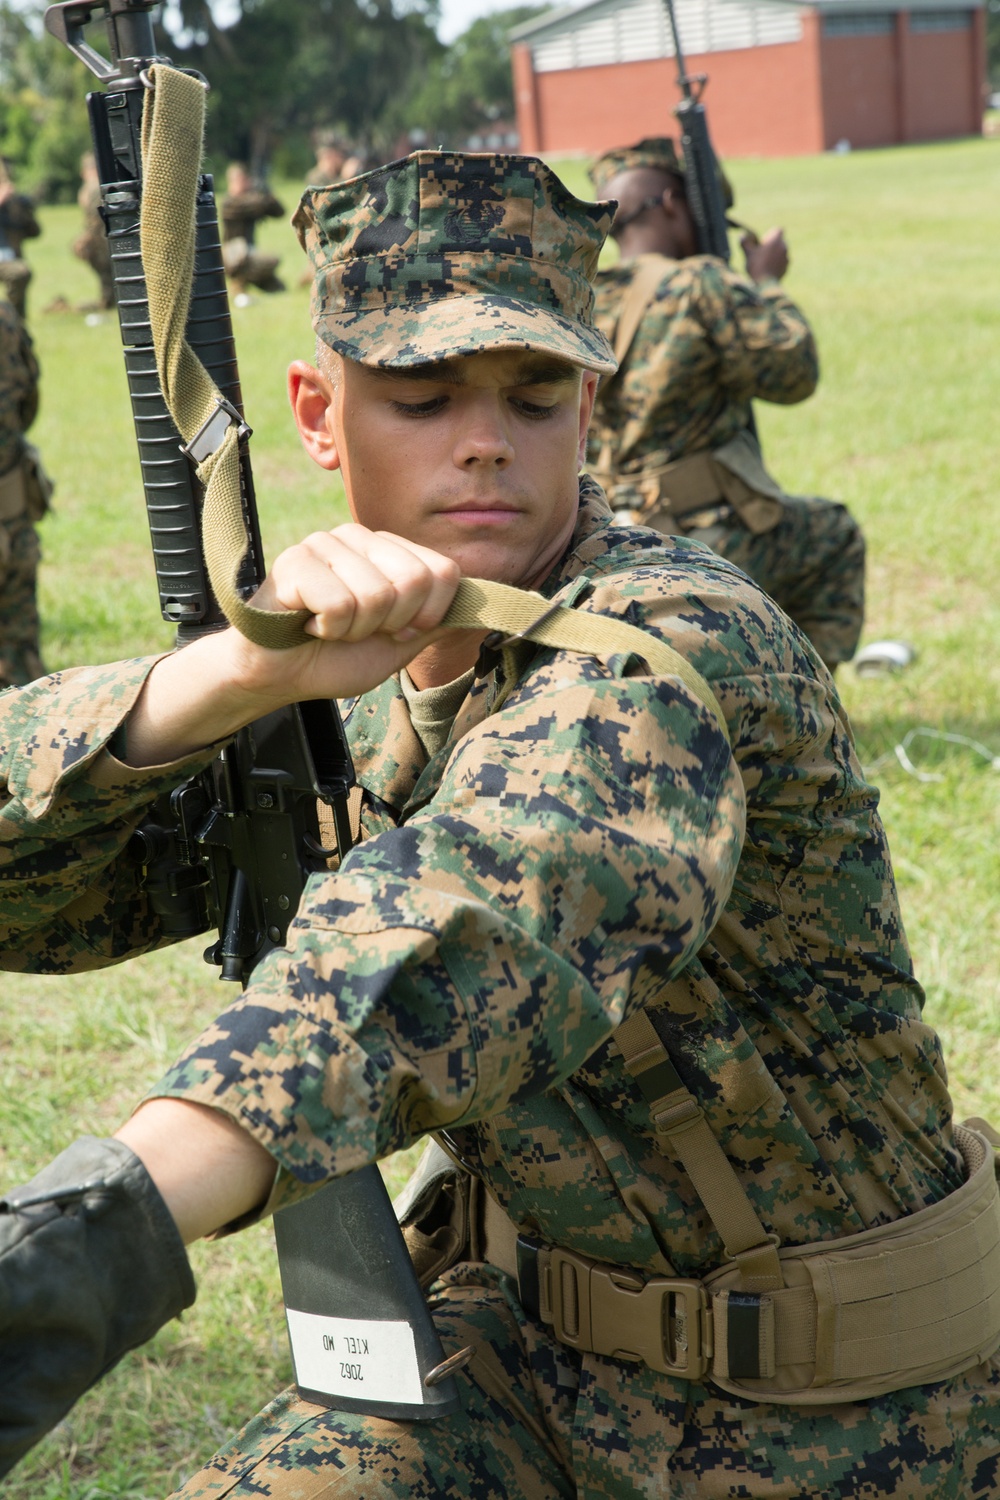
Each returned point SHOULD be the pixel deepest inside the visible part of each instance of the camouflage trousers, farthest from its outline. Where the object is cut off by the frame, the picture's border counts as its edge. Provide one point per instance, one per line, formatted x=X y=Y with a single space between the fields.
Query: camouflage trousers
x=93 y=248
x=20 y=661
x=540 y=1422
x=248 y=267
x=812 y=564
x=15 y=276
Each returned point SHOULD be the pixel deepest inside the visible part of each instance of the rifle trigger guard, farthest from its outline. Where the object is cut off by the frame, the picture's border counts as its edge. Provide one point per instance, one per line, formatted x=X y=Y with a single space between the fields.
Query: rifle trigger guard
x=315 y=847
x=212 y=432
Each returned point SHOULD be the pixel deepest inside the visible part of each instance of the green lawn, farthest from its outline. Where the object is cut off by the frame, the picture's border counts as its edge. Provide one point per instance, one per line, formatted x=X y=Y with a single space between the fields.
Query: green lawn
x=894 y=259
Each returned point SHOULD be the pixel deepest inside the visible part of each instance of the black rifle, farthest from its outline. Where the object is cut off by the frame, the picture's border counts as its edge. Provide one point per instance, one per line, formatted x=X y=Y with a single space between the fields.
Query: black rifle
x=232 y=848
x=702 y=175
x=701 y=168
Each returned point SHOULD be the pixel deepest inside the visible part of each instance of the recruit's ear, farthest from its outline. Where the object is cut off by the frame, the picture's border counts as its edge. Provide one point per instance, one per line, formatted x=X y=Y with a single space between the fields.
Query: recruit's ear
x=588 y=392
x=311 y=395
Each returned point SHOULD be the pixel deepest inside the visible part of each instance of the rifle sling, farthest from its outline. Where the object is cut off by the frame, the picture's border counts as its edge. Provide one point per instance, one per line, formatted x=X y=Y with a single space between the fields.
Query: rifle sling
x=650 y=271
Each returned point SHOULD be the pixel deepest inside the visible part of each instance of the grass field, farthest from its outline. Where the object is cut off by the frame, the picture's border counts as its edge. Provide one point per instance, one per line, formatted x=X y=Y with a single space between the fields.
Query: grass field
x=894 y=259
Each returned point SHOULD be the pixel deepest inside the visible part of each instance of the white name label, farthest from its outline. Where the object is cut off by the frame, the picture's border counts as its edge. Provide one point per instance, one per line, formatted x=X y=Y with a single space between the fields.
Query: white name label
x=360 y=1357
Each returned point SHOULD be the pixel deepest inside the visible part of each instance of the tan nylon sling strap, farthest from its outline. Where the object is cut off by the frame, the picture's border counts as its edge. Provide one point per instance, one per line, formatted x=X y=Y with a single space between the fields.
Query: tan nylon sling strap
x=631 y=313
x=686 y=1135
x=521 y=614
x=173 y=124
x=635 y=302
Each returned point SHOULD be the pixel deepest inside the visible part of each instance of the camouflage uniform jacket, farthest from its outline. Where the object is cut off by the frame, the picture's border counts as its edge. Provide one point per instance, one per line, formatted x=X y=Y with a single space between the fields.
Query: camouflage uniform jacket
x=242 y=211
x=18 y=221
x=589 y=846
x=18 y=385
x=709 y=342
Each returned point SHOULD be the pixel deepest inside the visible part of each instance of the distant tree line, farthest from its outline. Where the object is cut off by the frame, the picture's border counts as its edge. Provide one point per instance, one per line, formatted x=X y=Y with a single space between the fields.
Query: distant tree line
x=372 y=70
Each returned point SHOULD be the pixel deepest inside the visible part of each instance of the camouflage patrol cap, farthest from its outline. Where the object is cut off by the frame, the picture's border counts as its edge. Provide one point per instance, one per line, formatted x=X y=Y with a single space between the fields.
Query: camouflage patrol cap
x=447 y=253
x=656 y=151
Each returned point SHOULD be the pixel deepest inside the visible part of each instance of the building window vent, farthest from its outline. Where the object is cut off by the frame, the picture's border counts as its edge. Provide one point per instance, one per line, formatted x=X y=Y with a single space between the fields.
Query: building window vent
x=940 y=20
x=637 y=30
x=860 y=23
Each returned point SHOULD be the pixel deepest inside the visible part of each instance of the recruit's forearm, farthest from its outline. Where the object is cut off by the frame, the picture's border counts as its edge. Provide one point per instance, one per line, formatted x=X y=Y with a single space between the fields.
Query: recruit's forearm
x=191 y=699
x=208 y=1171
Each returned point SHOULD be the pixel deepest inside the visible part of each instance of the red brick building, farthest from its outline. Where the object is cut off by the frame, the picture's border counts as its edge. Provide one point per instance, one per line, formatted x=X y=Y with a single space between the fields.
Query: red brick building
x=787 y=77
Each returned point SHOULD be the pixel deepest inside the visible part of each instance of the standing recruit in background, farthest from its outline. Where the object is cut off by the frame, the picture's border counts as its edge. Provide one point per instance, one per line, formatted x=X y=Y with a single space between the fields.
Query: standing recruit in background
x=336 y=160
x=24 y=495
x=672 y=440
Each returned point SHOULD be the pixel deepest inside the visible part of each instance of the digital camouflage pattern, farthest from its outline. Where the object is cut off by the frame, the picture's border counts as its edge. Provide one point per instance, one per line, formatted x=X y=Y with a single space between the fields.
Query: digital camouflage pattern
x=812 y=563
x=20 y=659
x=710 y=342
x=658 y=152
x=393 y=249
x=540 y=1422
x=589 y=847
x=18 y=223
x=241 y=213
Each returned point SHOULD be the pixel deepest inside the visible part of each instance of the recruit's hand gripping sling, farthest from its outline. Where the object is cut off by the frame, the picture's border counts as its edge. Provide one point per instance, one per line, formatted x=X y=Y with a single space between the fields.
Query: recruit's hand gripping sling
x=908 y=1303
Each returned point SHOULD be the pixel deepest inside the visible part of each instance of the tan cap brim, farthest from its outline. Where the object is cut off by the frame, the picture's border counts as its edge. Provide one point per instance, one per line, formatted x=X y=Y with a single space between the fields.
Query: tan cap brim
x=447 y=327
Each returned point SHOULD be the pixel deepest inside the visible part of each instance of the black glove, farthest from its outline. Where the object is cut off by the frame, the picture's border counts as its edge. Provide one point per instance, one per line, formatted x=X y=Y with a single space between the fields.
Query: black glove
x=91 y=1264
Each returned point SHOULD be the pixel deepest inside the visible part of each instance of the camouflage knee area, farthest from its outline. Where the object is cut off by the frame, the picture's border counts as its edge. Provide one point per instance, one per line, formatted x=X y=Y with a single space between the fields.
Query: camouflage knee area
x=812 y=564
x=497 y=1444
x=934 y=1442
x=20 y=657
x=15 y=275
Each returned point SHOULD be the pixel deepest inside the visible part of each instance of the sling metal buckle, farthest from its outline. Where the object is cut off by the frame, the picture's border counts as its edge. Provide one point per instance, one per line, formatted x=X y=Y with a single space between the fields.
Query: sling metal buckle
x=212 y=432
x=495 y=642
x=665 y=1322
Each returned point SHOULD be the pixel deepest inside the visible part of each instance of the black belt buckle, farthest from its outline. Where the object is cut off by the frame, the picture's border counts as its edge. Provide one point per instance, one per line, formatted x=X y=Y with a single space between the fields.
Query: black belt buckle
x=528 y=1286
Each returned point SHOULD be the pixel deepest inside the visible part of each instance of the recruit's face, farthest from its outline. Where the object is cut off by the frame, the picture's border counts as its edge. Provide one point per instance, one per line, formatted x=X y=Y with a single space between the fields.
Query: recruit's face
x=476 y=457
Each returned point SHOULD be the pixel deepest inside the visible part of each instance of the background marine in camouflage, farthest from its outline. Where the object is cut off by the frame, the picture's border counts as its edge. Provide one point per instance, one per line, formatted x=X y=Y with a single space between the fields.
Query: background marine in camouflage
x=92 y=245
x=672 y=439
x=24 y=495
x=243 y=206
x=553 y=844
x=18 y=223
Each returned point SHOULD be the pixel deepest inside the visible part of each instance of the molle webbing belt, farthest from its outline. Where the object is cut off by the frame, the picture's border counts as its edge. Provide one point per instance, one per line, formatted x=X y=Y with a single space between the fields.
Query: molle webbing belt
x=732 y=475
x=906 y=1304
x=683 y=487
